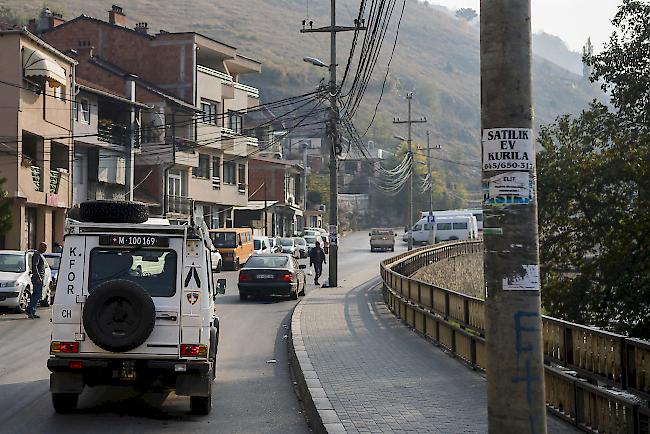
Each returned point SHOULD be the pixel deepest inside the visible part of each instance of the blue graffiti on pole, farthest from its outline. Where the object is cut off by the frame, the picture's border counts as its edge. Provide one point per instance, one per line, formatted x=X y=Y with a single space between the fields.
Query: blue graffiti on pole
x=525 y=349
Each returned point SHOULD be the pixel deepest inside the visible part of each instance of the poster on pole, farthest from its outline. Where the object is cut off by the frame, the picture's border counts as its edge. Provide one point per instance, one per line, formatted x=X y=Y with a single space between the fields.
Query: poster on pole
x=508 y=149
x=528 y=281
x=333 y=236
x=510 y=188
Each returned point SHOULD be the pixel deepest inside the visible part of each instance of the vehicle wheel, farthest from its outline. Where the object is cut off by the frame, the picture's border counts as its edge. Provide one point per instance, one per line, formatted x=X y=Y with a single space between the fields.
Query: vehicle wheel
x=47 y=301
x=243 y=296
x=65 y=402
x=294 y=295
x=114 y=211
x=119 y=315
x=392 y=249
x=236 y=265
x=201 y=404
x=304 y=285
x=23 y=300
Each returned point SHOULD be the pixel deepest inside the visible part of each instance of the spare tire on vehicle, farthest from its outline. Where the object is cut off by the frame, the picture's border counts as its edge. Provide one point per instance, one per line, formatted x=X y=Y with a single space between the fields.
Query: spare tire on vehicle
x=119 y=315
x=113 y=211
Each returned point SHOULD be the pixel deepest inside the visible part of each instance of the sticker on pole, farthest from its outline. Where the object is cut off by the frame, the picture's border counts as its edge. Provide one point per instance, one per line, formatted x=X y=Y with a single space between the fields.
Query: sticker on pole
x=529 y=281
x=508 y=149
x=510 y=188
x=333 y=236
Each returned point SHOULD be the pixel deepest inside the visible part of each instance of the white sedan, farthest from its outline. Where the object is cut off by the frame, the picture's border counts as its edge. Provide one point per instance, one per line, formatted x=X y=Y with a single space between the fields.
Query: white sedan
x=16 y=282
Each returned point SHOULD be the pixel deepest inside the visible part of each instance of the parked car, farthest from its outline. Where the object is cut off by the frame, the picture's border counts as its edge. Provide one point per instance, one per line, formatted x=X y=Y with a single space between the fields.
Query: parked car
x=262 y=245
x=302 y=246
x=274 y=243
x=54 y=261
x=311 y=242
x=16 y=282
x=382 y=239
x=273 y=274
x=288 y=245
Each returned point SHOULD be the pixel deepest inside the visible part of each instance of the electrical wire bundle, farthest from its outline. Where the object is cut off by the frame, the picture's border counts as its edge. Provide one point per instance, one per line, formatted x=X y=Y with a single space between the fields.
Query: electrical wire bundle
x=392 y=181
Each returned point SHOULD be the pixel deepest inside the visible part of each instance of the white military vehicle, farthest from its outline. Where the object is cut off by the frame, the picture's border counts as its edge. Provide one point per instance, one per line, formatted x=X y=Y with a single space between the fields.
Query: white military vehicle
x=134 y=307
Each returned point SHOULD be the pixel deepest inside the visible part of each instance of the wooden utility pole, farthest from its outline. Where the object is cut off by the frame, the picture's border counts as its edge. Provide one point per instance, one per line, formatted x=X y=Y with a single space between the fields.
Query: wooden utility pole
x=515 y=366
x=410 y=121
x=335 y=138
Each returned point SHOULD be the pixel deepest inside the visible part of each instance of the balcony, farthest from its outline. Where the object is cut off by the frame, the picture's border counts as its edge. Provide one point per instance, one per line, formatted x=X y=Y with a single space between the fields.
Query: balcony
x=253 y=92
x=179 y=205
x=113 y=133
x=216 y=183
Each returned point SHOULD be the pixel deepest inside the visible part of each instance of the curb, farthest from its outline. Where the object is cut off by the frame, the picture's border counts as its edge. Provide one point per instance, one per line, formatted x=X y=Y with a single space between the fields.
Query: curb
x=322 y=416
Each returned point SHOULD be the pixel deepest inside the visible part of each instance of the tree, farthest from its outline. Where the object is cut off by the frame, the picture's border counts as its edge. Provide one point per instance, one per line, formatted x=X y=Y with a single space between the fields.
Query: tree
x=466 y=14
x=587 y=53
x=7 y=15
x=594 y=191
x=5 y=209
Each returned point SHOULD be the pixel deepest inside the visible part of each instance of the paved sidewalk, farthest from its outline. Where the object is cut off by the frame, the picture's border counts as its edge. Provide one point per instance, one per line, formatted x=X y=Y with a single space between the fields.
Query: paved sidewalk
x=379 y=376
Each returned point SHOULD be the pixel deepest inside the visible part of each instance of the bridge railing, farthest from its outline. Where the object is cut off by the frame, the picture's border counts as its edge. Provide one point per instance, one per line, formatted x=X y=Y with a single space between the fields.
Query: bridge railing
x=582 y=363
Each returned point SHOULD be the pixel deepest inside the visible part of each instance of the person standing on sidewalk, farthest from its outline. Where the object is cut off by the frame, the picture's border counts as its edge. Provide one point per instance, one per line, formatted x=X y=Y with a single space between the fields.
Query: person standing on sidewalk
x=38 y=277
x=316 y=258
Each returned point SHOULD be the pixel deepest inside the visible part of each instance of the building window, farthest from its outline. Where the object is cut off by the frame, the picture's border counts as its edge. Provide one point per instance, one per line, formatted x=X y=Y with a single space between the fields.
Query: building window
x=203 y=171
x=241 y=177
x=229 y=174
x=83 y=111
x=210 y=112
x=216 y=172
x=235 y=122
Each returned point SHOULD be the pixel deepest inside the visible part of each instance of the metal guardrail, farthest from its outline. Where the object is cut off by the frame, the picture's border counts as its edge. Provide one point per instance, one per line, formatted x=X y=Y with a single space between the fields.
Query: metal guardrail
x=582 y=363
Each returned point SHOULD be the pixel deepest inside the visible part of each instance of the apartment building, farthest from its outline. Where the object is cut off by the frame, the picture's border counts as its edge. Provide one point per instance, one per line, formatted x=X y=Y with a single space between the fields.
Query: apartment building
x=277 y=202
x=194 y=142
x=36 y=125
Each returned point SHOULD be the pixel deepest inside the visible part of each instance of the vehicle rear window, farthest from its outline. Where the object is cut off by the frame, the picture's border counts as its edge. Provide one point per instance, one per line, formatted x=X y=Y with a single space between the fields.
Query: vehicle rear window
x=460 y=225
x=154 y=270
x=443 y=226
x=257 y=244
x=382 y=232
x=286 y=242
x=54 y=261
x=267 y=262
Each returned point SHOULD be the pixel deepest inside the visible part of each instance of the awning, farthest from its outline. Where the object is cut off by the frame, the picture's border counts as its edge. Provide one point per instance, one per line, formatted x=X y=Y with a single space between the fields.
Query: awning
x=36 y=64
x=256 y=205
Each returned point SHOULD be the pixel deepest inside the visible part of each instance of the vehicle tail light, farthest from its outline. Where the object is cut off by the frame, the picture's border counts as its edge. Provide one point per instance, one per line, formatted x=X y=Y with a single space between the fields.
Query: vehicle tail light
x=287 y=277
x=194 y=350
x=245 y=277
x=64 y=347
x=75 y=364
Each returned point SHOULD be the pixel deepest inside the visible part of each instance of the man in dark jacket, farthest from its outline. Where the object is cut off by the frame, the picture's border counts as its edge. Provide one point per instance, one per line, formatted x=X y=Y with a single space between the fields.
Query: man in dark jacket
x=38 y=277
x=316 y=258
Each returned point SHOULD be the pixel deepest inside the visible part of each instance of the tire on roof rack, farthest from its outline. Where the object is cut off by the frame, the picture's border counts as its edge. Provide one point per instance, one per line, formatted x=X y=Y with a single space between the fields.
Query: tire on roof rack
x=114 y=211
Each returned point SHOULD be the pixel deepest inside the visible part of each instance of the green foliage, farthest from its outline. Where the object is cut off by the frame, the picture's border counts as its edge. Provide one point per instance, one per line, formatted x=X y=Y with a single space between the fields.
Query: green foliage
x=7 y=15
x=594 y=192
x=318 y=187
x=5 y=210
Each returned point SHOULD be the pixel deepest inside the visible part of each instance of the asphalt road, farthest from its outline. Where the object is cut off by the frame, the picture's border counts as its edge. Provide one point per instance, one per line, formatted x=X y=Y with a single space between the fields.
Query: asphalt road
x=250 y=394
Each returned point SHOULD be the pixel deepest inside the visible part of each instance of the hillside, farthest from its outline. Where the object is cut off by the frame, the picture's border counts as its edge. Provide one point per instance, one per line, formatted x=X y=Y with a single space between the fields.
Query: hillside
x=437 y=58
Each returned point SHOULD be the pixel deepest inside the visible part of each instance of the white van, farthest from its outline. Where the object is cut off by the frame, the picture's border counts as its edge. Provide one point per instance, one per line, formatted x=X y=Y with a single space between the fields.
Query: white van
x=477 y=213
x=460 y=227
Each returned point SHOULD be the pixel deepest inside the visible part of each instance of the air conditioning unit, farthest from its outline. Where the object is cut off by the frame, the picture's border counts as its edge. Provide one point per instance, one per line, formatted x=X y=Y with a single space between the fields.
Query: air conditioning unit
x=322 y=208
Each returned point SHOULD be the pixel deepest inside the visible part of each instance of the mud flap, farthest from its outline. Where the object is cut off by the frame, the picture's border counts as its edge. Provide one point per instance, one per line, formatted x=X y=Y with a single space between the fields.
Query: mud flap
x=66 y=382
x=194 y=384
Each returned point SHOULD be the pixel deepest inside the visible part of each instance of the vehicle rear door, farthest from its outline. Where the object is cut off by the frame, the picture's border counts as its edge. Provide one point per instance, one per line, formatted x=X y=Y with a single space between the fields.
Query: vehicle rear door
x=156 y=268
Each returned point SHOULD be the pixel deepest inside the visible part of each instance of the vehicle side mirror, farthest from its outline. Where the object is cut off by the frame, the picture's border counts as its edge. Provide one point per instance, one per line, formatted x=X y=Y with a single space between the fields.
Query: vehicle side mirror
x=302 y=266
x=370 y=234
x=221 y=286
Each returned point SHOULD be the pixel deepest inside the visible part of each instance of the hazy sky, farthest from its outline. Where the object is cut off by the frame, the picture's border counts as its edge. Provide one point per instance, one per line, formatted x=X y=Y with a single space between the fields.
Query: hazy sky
x=572 y=20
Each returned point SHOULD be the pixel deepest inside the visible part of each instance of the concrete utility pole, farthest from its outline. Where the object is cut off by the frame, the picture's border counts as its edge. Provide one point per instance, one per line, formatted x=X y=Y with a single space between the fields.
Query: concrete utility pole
x=130 y=165
x=335 y=139
x=515 y=366
x=430 y=220
x=410 y=122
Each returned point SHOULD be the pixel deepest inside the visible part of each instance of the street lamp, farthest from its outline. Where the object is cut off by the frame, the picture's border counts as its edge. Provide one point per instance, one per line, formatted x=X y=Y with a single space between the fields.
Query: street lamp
x=316 y=62
x=400 y=138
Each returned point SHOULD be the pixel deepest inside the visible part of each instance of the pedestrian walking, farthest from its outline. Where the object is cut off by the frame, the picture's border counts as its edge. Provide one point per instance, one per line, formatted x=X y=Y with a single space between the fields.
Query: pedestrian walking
x=317 y=258
x=38 y=277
